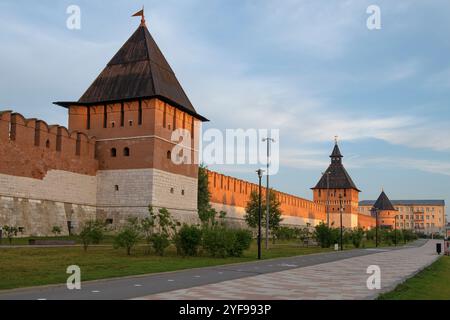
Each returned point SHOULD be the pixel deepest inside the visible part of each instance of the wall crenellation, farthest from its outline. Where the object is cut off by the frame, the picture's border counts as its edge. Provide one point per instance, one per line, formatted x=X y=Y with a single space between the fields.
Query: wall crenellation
x=31 y=147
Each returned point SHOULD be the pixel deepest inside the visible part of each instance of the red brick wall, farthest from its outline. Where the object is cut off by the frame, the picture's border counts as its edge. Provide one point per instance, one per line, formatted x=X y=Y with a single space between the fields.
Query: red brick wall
x=234 y=192
x=366 y=222
x=30 y=147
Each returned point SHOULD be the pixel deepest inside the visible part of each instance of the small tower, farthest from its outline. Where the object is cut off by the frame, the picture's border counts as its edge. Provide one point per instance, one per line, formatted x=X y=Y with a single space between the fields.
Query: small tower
x=385 y=210
x=133 y=108
x=336 y=190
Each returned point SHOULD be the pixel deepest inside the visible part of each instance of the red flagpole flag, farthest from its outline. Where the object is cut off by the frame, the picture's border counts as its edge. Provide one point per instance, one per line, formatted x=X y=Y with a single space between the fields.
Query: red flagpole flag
x=139 y=14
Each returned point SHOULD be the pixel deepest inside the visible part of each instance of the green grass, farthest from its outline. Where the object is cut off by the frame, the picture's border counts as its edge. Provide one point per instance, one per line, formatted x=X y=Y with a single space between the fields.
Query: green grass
x=25 y=267
x=433 y=283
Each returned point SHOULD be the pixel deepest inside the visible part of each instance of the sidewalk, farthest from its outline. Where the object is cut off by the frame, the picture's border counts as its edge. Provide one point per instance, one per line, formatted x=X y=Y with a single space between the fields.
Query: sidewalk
x=339 y=280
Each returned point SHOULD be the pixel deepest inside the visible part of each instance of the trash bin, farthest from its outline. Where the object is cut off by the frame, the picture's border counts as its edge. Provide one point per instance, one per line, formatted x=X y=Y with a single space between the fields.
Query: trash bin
x=439 y=248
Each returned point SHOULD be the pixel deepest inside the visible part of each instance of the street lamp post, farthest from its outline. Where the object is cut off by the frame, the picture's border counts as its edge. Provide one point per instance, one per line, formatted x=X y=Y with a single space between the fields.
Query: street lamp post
x=268 y=140
x=260 y=173
x=376 y=228
x=395 y=229
x=341 y=209
x=328 y=198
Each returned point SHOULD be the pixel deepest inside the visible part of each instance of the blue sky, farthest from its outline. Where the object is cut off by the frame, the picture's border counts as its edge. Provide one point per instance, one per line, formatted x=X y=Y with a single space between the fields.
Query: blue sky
x=309 y=68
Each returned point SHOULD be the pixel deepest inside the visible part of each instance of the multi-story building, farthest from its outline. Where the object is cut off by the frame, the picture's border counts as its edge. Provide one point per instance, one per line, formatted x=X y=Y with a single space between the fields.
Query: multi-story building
x=426 y=216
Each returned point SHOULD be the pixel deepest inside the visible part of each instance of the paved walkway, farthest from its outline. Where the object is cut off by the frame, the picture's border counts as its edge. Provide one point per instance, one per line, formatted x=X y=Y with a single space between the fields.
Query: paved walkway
x=315 y=276
x=338 y=280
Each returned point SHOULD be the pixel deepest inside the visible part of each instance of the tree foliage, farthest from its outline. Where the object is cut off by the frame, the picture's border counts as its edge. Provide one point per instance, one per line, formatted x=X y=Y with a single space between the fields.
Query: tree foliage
x=252 y=211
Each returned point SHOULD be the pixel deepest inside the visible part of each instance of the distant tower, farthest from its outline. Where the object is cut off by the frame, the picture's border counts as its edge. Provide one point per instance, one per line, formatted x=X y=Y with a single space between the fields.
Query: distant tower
x=386 y=211
x=132 y=108
x=336 y=185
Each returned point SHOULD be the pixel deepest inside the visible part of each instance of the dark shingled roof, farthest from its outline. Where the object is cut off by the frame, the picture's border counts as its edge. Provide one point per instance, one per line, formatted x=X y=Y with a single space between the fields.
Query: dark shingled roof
x=383 y=203
x=407 y=202
x=338 y=176
x=138 y=70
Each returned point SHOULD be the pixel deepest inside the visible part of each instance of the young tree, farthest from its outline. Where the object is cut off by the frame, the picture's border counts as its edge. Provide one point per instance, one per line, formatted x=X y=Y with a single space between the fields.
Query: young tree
x=92 y=233
x=10 y=233
x=357 y=236
x=56 y=230
x=252 y=211
x=326 y=236
x=129 y=236
x=164 y=229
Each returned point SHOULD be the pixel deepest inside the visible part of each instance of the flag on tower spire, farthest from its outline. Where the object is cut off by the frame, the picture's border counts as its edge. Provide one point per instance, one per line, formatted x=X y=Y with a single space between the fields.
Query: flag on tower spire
x=141 y=14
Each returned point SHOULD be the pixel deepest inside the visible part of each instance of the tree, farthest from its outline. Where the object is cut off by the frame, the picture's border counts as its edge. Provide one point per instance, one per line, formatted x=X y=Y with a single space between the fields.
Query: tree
x=204 y=196
x=357 y=236
x=10 y=232
x=163 y=230
x=129 y=236
x=56 y=230
x=92 y=233
x=325 y=236
x=252 y=211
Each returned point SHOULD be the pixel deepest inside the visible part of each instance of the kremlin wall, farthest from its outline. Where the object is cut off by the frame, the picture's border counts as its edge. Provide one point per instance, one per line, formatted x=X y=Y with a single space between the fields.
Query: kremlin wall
x=116 y=158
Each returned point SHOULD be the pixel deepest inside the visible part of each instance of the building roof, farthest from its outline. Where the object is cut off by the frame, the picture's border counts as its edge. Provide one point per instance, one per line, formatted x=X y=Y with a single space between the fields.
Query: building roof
x=383 y=203
x=336 y=177
x=407 y=203
x=139 y=70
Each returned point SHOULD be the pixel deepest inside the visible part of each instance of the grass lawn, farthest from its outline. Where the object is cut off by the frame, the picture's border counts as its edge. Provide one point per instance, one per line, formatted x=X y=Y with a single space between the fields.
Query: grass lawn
x=433 y=283
x=25 y=267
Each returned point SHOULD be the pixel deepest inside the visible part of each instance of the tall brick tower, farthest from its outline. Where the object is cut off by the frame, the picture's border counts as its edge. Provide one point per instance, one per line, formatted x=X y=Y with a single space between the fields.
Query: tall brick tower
x=335 y=189
x=132 y=109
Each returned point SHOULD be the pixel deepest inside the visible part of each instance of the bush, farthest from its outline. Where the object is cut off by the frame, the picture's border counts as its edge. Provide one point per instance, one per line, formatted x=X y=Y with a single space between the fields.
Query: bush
x=92 y=233
x=220 y=241
x=357 y=236
x=326 y=236
x=56 y=230
x=129 y=236
x=188 y=240
x=286 y=233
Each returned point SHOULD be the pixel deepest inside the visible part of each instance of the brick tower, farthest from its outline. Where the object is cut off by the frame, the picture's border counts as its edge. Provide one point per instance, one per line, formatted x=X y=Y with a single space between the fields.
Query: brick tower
x=336 y=189
x=132 y=109
x=385 y=210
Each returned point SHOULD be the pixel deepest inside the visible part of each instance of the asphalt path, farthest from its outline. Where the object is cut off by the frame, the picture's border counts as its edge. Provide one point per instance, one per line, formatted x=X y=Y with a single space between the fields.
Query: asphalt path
x=140 y=286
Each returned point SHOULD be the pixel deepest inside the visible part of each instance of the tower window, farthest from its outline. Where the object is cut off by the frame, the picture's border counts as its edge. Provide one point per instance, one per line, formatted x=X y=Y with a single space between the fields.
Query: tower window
x=122 y=115
x=105 y=116
x=47 y=144
x=113 y=152
x=182 y=192
x=169 y=155
x=116 y=187
x=88 y=118
x=113 y=124
x=126 y=152
x=172 y=190
x=130 y=123
x=140 y=113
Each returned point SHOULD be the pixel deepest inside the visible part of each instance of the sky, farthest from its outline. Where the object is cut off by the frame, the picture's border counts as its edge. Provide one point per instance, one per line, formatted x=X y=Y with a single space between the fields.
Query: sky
x=311 y=69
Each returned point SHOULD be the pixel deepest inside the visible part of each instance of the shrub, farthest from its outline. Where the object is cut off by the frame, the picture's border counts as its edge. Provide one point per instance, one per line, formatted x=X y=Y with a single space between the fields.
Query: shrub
x=325 y=236
x=10 y=232
x=357 y=236
x=159 y=229
x=129 y=236
x=92 y=233
x=188 y=240
x=56 y=230
x=220 y=241
x=286 y=233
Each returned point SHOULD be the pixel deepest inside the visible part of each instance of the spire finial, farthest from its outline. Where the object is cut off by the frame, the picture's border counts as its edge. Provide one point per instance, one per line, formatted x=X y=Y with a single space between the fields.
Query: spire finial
x=141 y=14
x=336 y=139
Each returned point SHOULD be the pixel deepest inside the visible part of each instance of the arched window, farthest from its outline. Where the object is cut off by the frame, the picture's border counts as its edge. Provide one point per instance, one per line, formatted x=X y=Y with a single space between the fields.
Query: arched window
x=126 y=152
x=169 y=155
x=47 y=144
x=113 y=152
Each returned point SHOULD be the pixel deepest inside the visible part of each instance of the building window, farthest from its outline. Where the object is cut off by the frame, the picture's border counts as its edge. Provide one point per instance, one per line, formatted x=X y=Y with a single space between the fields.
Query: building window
x=88 y=125
x=113 y=152
x=130 y=123
x=47 y=144
x=172 y=190
x=169 y=155
x=140 y=113
x=122 y=115
x=105 y=116
x=126 y=152
x=109 y=221
x=113 y=124
x=182 y=192
x=116 y=187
